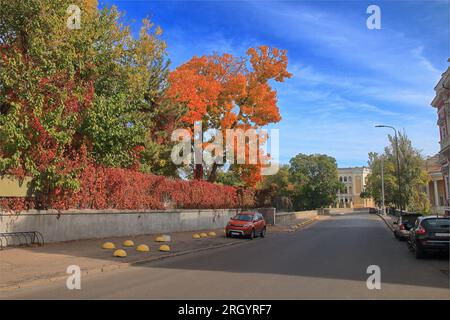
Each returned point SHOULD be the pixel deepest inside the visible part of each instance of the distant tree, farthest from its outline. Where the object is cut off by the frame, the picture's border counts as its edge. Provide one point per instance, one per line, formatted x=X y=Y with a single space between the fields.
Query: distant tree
x=230 y=178
x=315 y=180
x=277 y=190
x=413 y=176
x=373 y=186
x=280 y=181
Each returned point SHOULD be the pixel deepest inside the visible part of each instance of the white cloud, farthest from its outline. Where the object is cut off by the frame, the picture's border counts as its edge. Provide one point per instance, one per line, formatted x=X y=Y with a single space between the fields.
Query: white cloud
x=333 y=111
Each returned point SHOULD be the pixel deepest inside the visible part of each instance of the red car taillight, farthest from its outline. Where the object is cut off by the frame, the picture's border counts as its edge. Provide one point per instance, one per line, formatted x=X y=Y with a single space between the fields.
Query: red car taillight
x=402 y=227
x=420 y=230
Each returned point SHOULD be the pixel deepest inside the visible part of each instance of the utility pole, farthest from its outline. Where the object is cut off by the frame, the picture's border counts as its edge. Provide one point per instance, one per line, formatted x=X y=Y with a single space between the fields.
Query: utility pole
x=382 y=187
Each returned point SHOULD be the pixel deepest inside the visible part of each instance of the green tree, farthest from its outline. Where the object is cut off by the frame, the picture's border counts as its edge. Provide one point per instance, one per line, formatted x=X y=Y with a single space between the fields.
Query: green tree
x=413 y=177
x=281 y=182
x=277 y=190
x=230 y=178
x=373 y=186
x=315 y=179
x=66 y=90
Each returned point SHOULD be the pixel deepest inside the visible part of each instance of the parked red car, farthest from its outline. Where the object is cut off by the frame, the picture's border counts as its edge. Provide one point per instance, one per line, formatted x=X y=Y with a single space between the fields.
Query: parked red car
x=246 y=224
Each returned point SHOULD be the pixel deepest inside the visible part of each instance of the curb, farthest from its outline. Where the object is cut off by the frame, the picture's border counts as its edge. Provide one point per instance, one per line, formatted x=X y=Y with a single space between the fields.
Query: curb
x=304 y=224
x=386 y=222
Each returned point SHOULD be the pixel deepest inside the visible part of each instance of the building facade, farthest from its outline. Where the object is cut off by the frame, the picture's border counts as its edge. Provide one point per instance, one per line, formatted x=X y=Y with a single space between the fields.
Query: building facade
x=13 y=187
x=442 y=104
x=354 y=180
x=435 y=188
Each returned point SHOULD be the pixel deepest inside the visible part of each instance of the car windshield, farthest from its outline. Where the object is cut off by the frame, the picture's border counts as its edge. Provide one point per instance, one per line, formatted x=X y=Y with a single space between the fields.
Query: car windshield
x=243 y=217
x=410 y=218
x=441 y=223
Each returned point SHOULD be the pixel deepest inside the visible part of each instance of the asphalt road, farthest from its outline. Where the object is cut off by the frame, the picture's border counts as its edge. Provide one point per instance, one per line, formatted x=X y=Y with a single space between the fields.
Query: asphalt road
x=326 y=260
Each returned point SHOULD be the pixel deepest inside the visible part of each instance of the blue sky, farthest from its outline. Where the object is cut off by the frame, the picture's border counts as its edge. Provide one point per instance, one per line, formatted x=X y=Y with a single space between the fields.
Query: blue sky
x=347 y=78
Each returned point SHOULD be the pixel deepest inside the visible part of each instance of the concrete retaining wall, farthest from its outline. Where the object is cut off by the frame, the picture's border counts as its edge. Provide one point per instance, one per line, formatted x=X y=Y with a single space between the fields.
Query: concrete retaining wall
x=286 y=218
x=269 y=214
x=305 y=215
x=87 y=224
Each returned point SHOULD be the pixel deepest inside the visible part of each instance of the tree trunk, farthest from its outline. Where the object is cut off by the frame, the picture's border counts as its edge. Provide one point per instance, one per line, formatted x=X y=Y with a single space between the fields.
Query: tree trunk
x=213 y=175
x=198 y=172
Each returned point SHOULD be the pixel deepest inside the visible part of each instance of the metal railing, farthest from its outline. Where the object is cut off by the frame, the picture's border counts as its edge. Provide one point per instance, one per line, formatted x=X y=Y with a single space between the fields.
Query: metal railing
x=26 y=238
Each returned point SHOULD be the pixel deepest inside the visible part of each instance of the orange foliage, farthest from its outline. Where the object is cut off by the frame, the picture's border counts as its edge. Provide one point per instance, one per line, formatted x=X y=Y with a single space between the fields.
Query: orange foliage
x=224 y=91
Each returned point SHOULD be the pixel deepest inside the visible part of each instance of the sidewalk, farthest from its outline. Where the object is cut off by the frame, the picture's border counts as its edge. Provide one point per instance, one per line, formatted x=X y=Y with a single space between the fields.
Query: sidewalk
x=389 y=220
x=27 y=266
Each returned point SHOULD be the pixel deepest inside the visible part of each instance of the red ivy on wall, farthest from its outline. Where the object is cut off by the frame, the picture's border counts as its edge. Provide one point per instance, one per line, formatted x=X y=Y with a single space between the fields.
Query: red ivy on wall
x=125 y=189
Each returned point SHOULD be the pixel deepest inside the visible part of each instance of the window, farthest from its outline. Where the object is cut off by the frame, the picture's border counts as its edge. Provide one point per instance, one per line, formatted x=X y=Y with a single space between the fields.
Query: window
x=243 y=217
x=345 y=179
x=443 y=131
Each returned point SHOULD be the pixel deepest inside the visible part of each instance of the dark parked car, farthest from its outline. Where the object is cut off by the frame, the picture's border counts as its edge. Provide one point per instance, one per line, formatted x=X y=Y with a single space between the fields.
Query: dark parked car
x=246 y=224
x=430 y=233
x=373 y=210
x=404 y=224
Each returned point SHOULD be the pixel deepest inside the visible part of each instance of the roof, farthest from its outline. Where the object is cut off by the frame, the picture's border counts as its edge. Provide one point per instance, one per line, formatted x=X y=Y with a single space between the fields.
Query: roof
x=441 y=86
x=354 y=169
x=434 y=217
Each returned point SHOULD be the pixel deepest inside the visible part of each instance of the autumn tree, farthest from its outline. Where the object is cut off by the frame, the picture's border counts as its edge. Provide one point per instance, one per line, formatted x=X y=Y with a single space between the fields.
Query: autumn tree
x=93 y=93
x=227 y=92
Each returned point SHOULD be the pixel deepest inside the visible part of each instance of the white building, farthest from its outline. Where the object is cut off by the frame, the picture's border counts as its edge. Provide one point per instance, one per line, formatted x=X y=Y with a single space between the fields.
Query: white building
x=354 y=180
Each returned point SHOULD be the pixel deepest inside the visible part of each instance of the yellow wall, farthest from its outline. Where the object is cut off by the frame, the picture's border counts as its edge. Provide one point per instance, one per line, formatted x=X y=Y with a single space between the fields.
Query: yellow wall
x=358 y=187
x=362 y=203
x=13 y=188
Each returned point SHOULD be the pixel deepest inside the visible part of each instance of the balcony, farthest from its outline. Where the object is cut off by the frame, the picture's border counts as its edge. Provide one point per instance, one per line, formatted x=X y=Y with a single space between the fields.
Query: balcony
x=444 y=143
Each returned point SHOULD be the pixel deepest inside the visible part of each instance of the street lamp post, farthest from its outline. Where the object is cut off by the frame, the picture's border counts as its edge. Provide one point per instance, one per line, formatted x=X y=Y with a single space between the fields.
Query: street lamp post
x=398 y=164
x=382 y=186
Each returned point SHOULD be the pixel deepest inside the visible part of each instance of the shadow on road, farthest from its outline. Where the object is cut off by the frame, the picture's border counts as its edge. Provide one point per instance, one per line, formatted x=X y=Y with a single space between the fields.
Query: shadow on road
x=339 y=248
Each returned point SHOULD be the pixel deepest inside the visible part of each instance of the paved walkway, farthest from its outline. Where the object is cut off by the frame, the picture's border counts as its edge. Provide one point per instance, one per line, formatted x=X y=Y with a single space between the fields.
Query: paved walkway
x=26 y=266
x=389 y=220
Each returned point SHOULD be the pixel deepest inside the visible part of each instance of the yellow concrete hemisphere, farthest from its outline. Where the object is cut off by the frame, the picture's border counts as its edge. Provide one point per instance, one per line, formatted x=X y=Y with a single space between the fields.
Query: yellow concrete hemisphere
x=108 y=245
x=203 y=235
x=120 y=253
x=196 y=236
x=164 y=248
x=159 y=239
x=143 y=248
x=212 y=234
x=128 y=243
